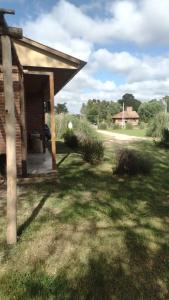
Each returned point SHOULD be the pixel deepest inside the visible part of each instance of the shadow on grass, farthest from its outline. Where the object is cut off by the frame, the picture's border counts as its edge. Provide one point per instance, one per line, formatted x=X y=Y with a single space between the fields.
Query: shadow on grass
x=33 y=215
x=133 y=210
x=61 y=148
x=103 y=278
x=62 y=160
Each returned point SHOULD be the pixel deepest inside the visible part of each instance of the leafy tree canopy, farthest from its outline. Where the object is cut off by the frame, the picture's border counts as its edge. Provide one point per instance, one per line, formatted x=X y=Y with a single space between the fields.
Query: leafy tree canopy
x=148 y=110
x=129 y=100
x=96 y=111
x=61 y=108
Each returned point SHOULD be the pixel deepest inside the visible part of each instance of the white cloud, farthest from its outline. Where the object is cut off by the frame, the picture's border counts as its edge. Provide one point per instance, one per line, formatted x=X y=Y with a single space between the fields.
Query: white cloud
x=144 y=90
x=135 y=68
x=70 y=28
x=73 y=30
x=141 y=22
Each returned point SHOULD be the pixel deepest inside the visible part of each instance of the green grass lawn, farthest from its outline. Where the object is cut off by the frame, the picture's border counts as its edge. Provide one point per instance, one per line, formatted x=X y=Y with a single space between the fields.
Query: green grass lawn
x=135 y=132
x=85 y=234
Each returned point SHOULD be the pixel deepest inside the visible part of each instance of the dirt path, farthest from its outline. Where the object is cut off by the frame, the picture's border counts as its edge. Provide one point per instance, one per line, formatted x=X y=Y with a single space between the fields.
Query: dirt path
x=121 y=137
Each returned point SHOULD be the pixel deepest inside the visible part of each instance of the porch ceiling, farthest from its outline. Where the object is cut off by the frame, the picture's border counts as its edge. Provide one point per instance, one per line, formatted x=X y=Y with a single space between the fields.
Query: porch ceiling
x=35 y=83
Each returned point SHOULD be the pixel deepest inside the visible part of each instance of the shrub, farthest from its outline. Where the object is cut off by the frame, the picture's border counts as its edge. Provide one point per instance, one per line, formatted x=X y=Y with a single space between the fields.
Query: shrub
x=70 y=139
x=131 y=162
x=83 y=128
x=102 y=126
x=116 y=126
x=92 y=150
x=129 y=126
x=142 y=125
x=62 y=121
x=165 y=138
x=157 y=124
x=84 y=138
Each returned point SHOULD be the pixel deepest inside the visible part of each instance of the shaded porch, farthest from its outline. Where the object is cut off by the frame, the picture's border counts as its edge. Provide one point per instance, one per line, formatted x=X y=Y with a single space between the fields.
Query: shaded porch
x=39 y=163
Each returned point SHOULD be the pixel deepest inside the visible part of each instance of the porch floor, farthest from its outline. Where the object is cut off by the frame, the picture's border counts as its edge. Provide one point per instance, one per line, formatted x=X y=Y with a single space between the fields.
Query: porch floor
x=39 y=163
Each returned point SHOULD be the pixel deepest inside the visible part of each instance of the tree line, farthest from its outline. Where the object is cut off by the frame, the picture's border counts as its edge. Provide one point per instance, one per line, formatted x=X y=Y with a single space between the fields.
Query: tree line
x=97 y=111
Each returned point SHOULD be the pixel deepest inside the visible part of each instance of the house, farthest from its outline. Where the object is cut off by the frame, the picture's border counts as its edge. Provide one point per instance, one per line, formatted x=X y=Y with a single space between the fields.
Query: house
x=127 y=116
x=39 y=73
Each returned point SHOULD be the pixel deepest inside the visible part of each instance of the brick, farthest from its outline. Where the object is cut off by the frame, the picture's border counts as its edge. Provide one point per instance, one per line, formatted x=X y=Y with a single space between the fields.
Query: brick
x=17 y=90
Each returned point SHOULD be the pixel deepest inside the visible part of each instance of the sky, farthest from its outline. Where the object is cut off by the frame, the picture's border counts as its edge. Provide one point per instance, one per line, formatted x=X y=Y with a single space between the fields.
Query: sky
x=124 y=42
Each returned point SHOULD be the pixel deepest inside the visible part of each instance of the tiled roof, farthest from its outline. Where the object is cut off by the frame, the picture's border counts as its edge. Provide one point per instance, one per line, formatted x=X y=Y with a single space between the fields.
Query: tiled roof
x=127 y=115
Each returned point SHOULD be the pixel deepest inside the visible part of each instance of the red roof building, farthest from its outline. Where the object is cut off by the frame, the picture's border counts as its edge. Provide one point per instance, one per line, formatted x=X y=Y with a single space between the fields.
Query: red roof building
x=128 y=116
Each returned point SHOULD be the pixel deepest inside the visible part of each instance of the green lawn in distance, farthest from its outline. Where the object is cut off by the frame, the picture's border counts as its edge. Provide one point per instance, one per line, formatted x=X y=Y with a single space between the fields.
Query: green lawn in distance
x=135 y=132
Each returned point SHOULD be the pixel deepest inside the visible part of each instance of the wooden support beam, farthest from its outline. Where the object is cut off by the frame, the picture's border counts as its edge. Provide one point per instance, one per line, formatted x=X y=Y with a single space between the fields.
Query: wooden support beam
x=24 y=129
x=10 y=140
x=13 y=32
x=7 y=11
x=52 y=120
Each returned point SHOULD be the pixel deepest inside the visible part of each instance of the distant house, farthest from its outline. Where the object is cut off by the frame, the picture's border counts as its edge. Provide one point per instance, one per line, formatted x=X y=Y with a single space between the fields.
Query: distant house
x=128 y=116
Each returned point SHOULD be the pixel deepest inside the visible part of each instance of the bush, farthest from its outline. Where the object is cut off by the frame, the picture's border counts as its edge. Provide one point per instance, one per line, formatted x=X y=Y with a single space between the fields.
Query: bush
x=92 y=150
x=116 y=126
x=70 y=139
x=165 y=138
x=129 y=126
x=102 y=126
x=84 y=138
x=131 y=162
x=157 y=125
x=142 y=125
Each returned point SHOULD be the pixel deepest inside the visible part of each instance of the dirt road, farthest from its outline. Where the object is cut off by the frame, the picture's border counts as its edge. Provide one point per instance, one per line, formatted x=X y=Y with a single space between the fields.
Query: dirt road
x=120 y=136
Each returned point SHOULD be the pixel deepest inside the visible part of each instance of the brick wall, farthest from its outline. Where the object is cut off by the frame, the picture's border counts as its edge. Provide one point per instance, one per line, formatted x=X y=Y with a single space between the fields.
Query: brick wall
x=34 y=115
x=17 y=90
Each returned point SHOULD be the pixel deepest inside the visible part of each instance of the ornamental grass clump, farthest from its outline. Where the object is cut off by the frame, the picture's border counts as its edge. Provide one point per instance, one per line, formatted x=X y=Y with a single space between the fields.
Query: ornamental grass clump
x=165 y=138
x=70 y=139
x=90 y=147
x=84 y=139
x=102 y=126
x=158 y=124
x=131 y=162
x=92 y=150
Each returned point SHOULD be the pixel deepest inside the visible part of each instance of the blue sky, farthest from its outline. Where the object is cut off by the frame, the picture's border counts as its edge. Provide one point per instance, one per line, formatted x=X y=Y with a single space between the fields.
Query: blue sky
x=125 y=43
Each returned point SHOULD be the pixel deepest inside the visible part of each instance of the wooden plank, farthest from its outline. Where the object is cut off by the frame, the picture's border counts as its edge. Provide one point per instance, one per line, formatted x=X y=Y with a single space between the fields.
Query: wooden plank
x=66 y=57
x=14 y=32
x=7 y=11
x=39 y=72
x=24 y=129
x=10 y=140
x=52 y=120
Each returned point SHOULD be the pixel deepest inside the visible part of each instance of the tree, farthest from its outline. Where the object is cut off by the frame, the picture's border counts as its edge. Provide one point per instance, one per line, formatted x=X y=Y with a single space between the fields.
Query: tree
x=148 y=110
x=165 y=101
x=129 y=100
x=61 y=108
x=97 y=111
x=91 y=110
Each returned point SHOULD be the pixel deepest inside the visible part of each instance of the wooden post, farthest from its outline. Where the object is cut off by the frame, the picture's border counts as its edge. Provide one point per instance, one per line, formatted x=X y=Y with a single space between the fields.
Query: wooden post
x=10 y=140
x=52 y=120
x=24 y=129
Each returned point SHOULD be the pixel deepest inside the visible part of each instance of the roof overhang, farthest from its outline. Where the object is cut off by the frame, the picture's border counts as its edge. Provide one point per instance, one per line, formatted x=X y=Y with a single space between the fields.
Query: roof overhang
x=36 y=57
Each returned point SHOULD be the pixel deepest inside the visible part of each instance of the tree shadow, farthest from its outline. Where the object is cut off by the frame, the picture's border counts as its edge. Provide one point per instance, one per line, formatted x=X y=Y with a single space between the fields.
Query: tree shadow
x=61 y=148
x=102 y=278
x=62 y=160
x=33 y=215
